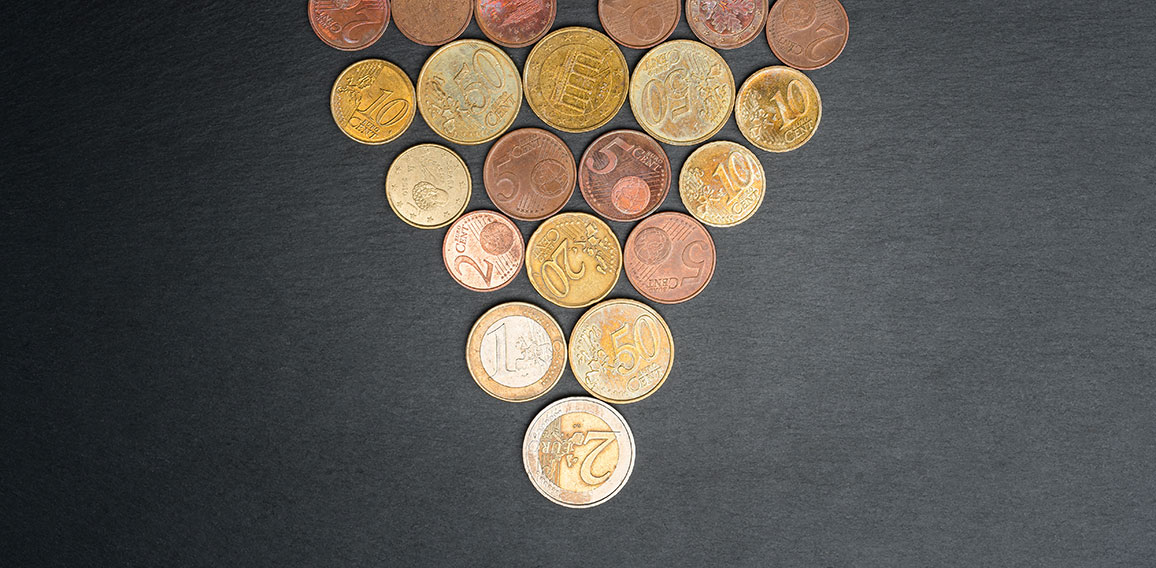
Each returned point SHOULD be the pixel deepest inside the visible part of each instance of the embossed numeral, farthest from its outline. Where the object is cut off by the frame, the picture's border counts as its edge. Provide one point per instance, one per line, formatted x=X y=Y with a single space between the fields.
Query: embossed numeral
x=689 y=261
x=611 y=157
x=732 y=172
x=383 y=106
x=585 y=471
x=501 y=347
x=656 y=94
x=824 y=32
x=473 y=79
x=559 y=264
x=485 y=274
x=792 y=106
x=631 y=340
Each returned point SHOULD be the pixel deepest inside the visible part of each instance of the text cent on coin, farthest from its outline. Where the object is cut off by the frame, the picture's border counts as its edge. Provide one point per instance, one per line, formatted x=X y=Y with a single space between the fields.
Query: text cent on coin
x=726 y=25
x=515 y=23
x=529 y=174
x=778 y=109
x=639 y=24
x=349 y=25
x=516 y=352
x=807 y=34
x=669 y=257
x=483 y=251
x=682 y=92
x=621 y=351
x=722 y=184
x=372 y=101
x=469 y=91
x=432 y=22
x=624 y=175
x=428 y=186
x=576 y=79
x=579 y=452
x=573 y=259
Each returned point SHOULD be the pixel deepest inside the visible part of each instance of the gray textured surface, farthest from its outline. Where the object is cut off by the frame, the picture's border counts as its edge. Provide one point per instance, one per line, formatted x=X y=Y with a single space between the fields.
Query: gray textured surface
x=933 y=346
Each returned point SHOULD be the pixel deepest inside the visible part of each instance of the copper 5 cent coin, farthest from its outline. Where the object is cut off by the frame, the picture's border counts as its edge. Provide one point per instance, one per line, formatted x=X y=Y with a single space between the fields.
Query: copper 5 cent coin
x=624 y=175
x=515 y=23
x=516 y=352
x=669 y=257
x=578 y=452
x=530 y=174
x=483 y=250
x=726 y=24
x=432 y=22
x=621 y=351
x=639 y=24
x=807 y=34
x=349 y=25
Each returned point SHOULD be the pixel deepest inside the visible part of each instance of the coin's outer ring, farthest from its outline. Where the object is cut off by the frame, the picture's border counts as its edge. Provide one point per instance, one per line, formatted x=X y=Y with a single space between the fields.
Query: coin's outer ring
x=626 y=302
x=469 y=188
x=579 y=404
x=664 y=37
x=714 y=253
x=408 y=84
x=846 y=37
x=625 y=133
x=474 y=355
x=313 y=24
x=494 y=37
x=717 y=43
x=480 y=44
x=617 y=273
x=704 y=148
x=536 y=50
x=486 y=169
x=658 y=135
x=749 y=84
x=501 y=219
x=407 y=35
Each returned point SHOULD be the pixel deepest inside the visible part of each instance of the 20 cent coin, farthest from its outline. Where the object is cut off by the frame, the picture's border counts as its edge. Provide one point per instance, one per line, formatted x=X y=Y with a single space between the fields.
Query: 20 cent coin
x=573 y=259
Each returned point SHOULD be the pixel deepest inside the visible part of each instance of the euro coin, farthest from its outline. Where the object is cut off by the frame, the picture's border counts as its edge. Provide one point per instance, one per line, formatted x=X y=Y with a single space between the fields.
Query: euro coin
x=432 y=22
x=682 y=92
x=428 y=186
x=807 y=34
x=573 y=259
x=469 y=91
x=372 y=101
x=515 y=23
x=349 y=25
x=778 y=109
x=483 y=251
x=516 y=352
x=722 y=184
x=576 y=79
x=529 y=174
x=669 y=257
x=624 y=175
x=726 y=25
x=621 y=351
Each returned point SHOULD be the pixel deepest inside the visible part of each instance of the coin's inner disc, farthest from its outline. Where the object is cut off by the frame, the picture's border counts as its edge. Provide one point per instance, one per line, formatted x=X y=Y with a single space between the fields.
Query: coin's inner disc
x=516 y=351
x=578 y=452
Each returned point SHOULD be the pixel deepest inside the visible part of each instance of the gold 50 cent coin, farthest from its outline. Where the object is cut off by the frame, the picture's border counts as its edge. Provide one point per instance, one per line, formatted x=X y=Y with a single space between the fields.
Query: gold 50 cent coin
x=372 y=101
x=722 y=184
x=576 y=79
x=573 y=259
x=516 y=352
x=428 y=186
x=469 y=91
x=483 y=251
x=778 y=109
x=578 y=452
x=621 y=351
x=682 y=92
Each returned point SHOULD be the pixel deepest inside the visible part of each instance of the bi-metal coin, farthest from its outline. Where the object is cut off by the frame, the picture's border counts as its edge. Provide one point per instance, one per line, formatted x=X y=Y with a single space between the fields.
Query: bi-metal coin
x=621 y=351
x=516 y=352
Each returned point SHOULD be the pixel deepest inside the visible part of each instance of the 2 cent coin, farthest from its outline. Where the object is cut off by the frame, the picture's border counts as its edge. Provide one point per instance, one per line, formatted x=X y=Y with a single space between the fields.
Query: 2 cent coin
x=349 y=25
x=483 y=251
x=807 y=34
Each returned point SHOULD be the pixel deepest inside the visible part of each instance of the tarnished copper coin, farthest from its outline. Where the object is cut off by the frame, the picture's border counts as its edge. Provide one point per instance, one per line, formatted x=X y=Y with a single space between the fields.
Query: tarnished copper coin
x=669 y=257
x=483 y=250
x=530 y=174
x=349 y=25
x=726 y=24
x=624 y=175
x=639 y=24
x=621 y=351
x=807 y=34
x=432 y=22
x=516 y=352
x=515 y=23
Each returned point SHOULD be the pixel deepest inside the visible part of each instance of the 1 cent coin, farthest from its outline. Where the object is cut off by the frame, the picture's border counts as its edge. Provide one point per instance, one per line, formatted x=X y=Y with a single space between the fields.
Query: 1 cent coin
x=349 y=25
x=372 y=101
x=807 y=34
x=726 y=24
x=621 y=351
x=576 y=79
x=469 y=91
x=530 y=174
x=682 y=92
x=669 y=257
x=722 y=184
x=483 y=251
x=778 y=109
x=428 y=186
x=432 y=22
x=639 y=24
x=516 y=352
x=573 y=260
x=515 y=23
x=624 y=175
x=578 y=452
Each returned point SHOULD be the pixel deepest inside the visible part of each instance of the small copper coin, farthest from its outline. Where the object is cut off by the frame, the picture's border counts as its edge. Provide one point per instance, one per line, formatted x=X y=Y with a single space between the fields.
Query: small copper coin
x=515 y=23
x=530 y=174
x=349 y=25
x=516 y=352
x=639 y=24
x=807 y=34
x=483 y=250
x=432 y=22
x=624 y=175
x=726 y=24
x=669 y=257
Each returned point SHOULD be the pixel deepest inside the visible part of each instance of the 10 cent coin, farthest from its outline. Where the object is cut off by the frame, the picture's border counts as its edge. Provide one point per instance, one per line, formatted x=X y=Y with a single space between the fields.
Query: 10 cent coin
x=778 y=109
x=372 y=101
x=722 y=184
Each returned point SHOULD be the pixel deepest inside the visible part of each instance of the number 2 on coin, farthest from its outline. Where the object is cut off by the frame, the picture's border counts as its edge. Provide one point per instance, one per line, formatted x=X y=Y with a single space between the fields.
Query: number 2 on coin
x=485 y=274
x=559 y=264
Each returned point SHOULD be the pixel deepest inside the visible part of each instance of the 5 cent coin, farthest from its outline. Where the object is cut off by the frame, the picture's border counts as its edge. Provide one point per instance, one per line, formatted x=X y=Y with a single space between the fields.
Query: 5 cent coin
x=778 y=109
x=516 y=352
x=669 y=257
x=530 y=174
x=469 y=91
x=639 y=24
x=726 y=24
x=573 y=260
x=428 y=186
x=372 y=101
x=682 y=92
x=576 y=79
x=807 y=34
x=483 y=251
x=349 y=25
x=432 y=22
x=624 y=175
x=621 y=351
x=515 y=23
x=722 y=184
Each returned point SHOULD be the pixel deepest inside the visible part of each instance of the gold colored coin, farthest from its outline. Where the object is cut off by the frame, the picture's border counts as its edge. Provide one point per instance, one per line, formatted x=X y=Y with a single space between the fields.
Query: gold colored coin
x=573 y=259
x=576 y=79
x=516 y=352
x=372 y=101
x=469 y=91
x=682 y=92
x=778 y=109
x=579 y=452
x=428 y=186
x=621 y=351
x=722 y=184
